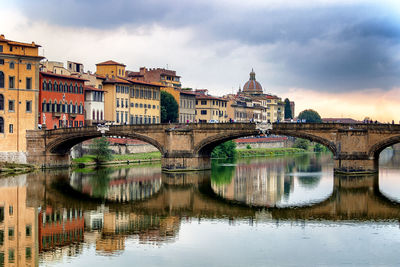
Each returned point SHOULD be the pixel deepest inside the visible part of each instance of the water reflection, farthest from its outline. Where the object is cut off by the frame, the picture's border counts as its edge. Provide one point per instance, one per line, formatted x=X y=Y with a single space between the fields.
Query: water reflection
x=290 y=181
x=47 y=217
x=123 y=184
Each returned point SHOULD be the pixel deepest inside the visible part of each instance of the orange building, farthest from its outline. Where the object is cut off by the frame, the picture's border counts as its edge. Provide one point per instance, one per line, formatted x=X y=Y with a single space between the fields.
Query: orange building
x=61 y=100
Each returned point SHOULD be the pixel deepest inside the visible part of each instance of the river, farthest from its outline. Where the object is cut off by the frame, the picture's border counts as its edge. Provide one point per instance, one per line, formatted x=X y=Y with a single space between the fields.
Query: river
x=282 y=211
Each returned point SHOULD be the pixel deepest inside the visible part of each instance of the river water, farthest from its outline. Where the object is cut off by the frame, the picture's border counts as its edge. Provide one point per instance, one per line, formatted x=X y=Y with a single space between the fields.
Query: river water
x=283 y=211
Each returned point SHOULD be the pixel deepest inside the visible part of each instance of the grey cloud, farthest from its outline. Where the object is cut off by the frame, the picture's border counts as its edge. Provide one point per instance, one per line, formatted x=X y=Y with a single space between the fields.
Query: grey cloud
x=346 y=47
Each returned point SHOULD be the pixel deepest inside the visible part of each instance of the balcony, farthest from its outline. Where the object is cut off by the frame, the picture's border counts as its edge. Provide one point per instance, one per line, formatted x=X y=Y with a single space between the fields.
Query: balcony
x=56 y=114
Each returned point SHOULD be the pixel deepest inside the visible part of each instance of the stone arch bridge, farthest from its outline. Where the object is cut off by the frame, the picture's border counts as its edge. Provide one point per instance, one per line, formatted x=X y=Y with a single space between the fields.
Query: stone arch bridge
x=183 y=147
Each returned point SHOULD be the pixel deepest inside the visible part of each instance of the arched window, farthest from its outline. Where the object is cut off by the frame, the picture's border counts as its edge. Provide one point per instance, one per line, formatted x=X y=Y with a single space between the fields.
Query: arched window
x=55 y=106
x=28 y=66
x=80 y=108
x=1 y=102
x=81 y=89
x=44 y=85
x=50 y=86
x=55 y=87
x=49 y=106
x=44 y=106
x=1 y=79
x=76 y=107
x=71 y=87
x=93 y=115
x=1 y=125
x=12 y=65
x=76 y=89
x=64 y=108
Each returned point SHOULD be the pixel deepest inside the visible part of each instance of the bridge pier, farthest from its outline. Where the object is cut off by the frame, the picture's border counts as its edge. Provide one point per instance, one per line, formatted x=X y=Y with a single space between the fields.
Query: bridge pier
x=356 y=165
x=176 y=163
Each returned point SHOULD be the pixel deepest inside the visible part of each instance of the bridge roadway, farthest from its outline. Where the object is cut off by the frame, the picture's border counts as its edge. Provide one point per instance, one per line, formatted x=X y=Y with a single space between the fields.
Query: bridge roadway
x=185 y=147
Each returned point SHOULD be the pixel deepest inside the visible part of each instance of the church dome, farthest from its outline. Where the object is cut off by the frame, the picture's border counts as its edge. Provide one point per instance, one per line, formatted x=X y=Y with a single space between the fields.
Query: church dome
x=252 y=86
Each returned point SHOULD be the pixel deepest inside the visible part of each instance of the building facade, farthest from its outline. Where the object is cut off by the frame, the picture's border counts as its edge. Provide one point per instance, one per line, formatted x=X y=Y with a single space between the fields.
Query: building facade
x=128 y=101
x=19 y=92
x=165 y=77
x=187 y=106
x=210 y=108
x=61 y=101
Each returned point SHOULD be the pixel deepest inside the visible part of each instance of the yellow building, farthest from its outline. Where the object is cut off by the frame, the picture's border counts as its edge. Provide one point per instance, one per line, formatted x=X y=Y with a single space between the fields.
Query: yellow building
x=128 y=101
x=210 y=108
x=19 y=92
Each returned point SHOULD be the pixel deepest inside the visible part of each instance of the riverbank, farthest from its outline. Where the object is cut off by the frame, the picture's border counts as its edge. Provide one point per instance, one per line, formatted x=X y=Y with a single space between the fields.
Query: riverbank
x=269 y=152
x=88 y=160
x=15 y=168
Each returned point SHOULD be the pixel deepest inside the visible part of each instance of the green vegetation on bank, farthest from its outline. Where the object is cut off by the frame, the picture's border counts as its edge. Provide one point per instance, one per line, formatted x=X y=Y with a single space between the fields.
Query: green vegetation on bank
x=15 y=168
x=268 y=151
x=126 y=157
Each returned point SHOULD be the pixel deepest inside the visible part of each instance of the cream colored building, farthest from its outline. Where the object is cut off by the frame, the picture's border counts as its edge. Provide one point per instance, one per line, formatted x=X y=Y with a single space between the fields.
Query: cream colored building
x=210 y=108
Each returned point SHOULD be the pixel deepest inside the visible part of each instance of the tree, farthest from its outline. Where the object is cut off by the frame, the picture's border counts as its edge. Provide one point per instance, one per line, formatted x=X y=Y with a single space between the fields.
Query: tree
x=100 y=149
x=288 y=109
x=224 y=150
x=310 y=116
x=169 y=108
x=301 y=143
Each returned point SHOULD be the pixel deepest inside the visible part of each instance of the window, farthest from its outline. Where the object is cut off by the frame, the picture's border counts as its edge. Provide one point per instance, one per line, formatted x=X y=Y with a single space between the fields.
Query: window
x=1 y=79
x=11 y=82
x=11 y=107
x=10 y=128
x=28 y=253
x=11 y=255
x=1 y=48
x=204 y=112
x=28 y=66
x=55 y=87
x=117 y=116
x=10 y=232
x=203 y=102
x=1 y=61
x=29 y=106
x=11 y=48
x=126 y=102
x=12 y=65
x=117 y=102
x=1 y=102
x=1 y=125
x=28 y=230
x=29 y=83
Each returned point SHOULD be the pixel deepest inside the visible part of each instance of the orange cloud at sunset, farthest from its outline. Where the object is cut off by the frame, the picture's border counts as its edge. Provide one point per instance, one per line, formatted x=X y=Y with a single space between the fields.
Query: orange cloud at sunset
x=377 y=104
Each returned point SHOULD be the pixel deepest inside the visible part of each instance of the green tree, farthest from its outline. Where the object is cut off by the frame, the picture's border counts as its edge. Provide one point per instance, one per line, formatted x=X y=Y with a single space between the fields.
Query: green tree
x=101 y=150
x=224 y=150
x=310 y=116
x=169 y=108
x=301 y=143
x=288 y=110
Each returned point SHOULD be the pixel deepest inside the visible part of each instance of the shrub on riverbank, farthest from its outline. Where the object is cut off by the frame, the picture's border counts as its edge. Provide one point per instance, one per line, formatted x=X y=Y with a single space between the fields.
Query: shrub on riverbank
x=224 y=150
x=268 y=151
x=136 y=156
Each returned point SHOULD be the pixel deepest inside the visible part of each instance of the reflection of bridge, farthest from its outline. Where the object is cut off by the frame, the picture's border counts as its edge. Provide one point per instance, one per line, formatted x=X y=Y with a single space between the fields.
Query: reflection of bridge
x=190 y=194
x=355 y=147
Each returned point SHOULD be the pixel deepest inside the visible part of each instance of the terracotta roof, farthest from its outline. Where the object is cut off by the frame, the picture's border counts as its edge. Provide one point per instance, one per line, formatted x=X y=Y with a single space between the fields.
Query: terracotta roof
x=187 y=92
x=134 y=81
x=110 y=62
x=91 y=88
x=46 y=73
x=200 y=96
x=10 y=42
x=115 y=80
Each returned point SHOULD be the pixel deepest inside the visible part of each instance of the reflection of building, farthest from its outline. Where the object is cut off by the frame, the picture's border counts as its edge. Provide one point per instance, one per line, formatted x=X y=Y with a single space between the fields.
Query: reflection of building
x=18 y=224
x=60 y=227
x=257 y=183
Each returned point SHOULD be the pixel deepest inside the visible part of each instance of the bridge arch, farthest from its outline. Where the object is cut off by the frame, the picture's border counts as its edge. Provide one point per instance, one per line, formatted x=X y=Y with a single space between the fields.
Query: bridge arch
x=377 y=148
x=206 y=146
x=64 y=144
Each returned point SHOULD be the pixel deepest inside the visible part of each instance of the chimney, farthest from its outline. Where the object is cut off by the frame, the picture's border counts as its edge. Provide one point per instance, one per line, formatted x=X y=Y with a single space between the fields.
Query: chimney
x=2 y=36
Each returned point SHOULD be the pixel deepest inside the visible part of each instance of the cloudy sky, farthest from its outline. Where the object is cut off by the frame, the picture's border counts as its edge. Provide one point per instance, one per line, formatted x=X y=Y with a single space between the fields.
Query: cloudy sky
x=339 y=57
